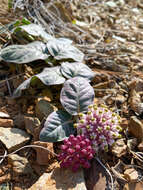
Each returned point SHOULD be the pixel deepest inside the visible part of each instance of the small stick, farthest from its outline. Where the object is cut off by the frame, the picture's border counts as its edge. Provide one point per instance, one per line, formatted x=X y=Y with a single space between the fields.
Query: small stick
x=8 y=86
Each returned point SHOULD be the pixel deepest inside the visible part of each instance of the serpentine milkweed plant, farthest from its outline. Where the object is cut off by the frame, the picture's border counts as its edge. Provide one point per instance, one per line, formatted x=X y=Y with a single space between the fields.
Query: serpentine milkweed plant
x=96 y=127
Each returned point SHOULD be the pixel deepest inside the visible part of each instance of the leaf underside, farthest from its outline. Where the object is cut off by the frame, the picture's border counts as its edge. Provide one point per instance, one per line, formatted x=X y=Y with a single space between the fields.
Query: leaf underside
x=76 y=95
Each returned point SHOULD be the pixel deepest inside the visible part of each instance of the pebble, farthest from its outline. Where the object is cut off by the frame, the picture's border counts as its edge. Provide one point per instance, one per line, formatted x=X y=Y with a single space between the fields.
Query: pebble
x=4 y=115
x=13 y=138
x=44 y=156
x=111 y=4
x=60 y=179
x=120 y=148
x=6 y=122
x=135 y=127
x=131 y=175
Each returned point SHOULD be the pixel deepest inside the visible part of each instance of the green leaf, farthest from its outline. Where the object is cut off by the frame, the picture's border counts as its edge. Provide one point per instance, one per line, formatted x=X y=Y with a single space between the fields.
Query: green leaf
x=25 y=21
x=58 y=126
x=62 y=49
x=76 y=95
x=24 y=53
x=10 y=4
x=70 y=70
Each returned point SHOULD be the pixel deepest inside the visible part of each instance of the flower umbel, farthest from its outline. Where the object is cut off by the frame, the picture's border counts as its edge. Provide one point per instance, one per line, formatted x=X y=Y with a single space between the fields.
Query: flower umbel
x=76 y=152
x=100 y=125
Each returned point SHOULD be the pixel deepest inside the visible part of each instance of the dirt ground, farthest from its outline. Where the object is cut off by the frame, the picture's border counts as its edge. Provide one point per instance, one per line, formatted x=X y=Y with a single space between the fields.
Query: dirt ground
x=111 y=36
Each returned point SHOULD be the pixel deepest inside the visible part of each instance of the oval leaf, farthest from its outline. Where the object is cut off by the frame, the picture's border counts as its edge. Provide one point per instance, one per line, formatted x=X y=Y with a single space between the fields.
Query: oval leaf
x=24 y=53
x=76 y=95
x=49 y=76
x=59 y=49
x=70 y=70
x=36 y=30
x=57 y=127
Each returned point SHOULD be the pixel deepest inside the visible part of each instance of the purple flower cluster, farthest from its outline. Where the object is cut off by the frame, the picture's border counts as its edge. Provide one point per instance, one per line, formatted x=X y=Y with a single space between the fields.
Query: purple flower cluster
x=76 y=152
x=100 y=125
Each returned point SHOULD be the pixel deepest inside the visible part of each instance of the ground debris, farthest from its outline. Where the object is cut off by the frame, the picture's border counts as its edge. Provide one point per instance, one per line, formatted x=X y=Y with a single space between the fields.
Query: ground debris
x=110 y=35
x=120 y=148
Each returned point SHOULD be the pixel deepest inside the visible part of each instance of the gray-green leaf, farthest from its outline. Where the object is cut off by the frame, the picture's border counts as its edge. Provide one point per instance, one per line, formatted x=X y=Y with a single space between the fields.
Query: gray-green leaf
x=76 y=95
x=36 y=30
x=24 y=53
x=49 y=76
x=21 y=87
x=70 y=70
x=58 y=126
x=60 y=49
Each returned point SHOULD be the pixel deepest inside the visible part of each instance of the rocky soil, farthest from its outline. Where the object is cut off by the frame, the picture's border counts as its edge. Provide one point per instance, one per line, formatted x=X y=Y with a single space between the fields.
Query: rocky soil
x=110 y=33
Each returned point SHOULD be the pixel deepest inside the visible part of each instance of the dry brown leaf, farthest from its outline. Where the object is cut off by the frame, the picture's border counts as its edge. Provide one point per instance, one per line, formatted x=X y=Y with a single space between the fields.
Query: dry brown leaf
x=96 y=177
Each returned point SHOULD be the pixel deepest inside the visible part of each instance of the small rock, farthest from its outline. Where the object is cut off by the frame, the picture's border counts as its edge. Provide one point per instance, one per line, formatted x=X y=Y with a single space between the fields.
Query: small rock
x=120 y=2
x=13 y=138
x=30 y=124
x=44 y=108
x=60 y=179
x=140 y=146
x=120 y=148
x=111 y=4
x=20 y=165
x=4 y=115
x=44 y=156
x=6 y=122
x=131 y=175
x=135 y=11
x=136 y=127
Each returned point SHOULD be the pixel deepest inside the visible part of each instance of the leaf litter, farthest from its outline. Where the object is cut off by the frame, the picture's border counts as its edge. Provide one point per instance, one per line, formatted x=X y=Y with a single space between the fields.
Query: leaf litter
x=110 y=35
